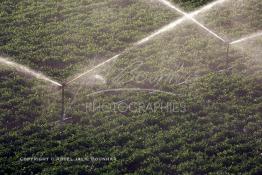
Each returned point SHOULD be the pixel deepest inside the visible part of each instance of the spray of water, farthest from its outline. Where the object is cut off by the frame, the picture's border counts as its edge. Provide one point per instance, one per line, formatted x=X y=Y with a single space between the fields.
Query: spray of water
x=179 y=21
x=247 y=38
x=170 y=5
x=100 y=78
x=164 y=29
x=97 y=66
x=24 y=69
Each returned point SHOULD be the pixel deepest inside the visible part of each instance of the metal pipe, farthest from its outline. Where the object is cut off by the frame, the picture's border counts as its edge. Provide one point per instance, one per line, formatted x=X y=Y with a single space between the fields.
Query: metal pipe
x=63 y=102
x=227 y=57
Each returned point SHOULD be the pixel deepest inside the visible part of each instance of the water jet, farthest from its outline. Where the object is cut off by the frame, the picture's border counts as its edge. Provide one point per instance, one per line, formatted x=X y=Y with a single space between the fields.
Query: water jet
x=26 y=70
x=255 y=35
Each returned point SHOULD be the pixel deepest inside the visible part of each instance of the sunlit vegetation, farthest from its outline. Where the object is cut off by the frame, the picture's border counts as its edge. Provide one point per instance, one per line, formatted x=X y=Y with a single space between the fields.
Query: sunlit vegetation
x=243 y=18
x=216 y=125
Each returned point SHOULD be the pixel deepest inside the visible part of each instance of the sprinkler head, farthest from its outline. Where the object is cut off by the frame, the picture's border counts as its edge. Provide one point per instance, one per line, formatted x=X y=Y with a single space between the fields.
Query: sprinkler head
x=63 y=85
x=227 y=41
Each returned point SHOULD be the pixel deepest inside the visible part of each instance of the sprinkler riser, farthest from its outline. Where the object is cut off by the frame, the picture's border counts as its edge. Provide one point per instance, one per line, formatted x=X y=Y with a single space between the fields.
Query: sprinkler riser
x=227 y=57
x=63 y=102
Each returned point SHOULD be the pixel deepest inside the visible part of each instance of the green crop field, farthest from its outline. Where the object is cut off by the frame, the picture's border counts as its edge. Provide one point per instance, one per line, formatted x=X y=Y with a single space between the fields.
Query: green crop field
x=147 y=89
x=190 y=4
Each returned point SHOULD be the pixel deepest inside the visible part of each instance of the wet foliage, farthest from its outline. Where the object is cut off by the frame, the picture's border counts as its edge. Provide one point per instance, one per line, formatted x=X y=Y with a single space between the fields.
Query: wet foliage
x=214 y=129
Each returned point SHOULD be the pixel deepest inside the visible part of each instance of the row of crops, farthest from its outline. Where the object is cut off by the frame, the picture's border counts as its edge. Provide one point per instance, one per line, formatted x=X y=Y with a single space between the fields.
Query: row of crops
x=212 y=127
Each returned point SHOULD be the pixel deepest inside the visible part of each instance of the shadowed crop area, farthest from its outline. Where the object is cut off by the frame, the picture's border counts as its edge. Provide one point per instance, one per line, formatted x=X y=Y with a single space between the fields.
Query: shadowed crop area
x=190 y=5
x=164 y=87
